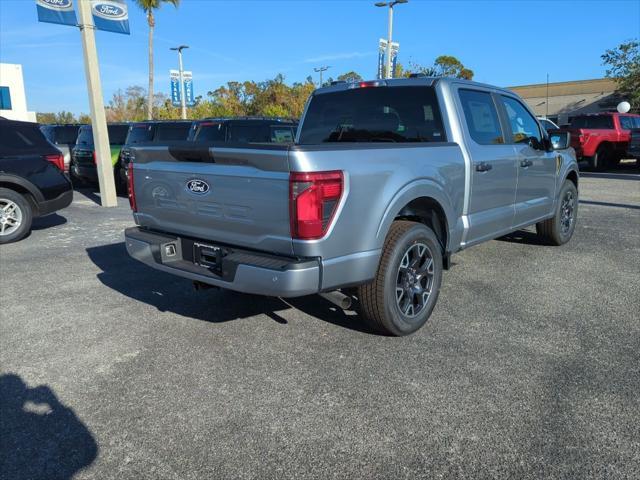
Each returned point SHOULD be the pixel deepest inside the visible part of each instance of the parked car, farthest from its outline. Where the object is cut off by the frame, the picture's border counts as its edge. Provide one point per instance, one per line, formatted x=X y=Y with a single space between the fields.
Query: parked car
x=64 y=137
x=634 y=144
x=244 y=130
x=547 y=124
x=602 y=139
x=150 y=133
x=387 y=179
x=32 y=178
x=83 y=154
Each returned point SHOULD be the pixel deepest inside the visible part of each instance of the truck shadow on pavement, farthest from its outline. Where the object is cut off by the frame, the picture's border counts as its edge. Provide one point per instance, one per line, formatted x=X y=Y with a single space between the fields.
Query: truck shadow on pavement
x=40 y=438
x=169 y=293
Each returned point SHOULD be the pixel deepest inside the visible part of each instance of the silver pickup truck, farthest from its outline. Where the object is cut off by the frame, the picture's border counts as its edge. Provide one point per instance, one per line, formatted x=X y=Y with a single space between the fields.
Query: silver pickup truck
x=386 y=179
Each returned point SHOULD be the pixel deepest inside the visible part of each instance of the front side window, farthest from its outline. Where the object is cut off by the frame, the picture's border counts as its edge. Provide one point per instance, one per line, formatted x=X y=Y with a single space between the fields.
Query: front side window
x=482 y=117
x=523 y=124
x=374 y=114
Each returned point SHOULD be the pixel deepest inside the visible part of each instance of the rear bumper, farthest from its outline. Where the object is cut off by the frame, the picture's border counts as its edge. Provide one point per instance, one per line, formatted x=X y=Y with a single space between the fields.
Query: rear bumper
x=241 y=270
x=49 y=206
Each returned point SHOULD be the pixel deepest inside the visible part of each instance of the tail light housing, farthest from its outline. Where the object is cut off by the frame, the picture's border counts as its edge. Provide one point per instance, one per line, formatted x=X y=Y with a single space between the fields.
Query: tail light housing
x=57 y=159
x=313 y=201
x=95 y=159
x=130 y=188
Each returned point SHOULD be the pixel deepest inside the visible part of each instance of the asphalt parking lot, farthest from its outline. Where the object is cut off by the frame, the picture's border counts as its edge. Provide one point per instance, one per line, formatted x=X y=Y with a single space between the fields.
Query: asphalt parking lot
x=528 y=368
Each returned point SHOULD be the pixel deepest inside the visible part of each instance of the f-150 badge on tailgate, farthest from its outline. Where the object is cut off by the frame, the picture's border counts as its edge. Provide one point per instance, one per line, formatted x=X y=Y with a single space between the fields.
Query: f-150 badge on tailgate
x=199 y=187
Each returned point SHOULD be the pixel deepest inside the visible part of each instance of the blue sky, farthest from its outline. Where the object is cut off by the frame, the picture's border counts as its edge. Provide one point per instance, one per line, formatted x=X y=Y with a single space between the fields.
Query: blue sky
x=505 y=42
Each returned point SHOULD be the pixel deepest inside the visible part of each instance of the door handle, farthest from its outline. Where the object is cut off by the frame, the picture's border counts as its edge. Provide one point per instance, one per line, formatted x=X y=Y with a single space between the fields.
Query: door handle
x=526 y=163
x=483 y=167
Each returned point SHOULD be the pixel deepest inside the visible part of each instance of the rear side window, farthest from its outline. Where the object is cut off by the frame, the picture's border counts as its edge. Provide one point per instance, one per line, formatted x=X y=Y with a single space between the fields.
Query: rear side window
x=523 y=124
x=117 y=134
x=627 y=123
x=172 y=131
x=374 y=114
x=22 y=137
x=210 y=131
x=593 y=121
x=482 y=117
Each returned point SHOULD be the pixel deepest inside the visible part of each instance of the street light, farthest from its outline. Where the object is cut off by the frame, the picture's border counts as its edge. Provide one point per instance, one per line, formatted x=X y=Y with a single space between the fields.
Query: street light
x=322 y=69
x=183 y=102
x=390 y=5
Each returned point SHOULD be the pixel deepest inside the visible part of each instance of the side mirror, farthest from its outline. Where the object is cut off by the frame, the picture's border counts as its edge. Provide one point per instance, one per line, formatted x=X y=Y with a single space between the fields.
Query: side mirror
x=560 y=140
x=536 y=144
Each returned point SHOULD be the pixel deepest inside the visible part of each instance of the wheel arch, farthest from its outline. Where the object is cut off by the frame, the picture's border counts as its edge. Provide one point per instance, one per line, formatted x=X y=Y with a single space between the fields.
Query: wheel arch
x=25 y=188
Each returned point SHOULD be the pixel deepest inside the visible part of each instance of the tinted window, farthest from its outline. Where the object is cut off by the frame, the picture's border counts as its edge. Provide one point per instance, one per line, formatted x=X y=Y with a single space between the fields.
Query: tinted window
x=523 y=124
x=117 y=134
x=210 y=131
x=65 y=134
x=592 y=121
x=22 y=137
x=142 y=132
x=374 y=114
x=627 y=123
x=482 y=117
x=85 y=136
x=254 y=133
x=282 y=134
x=172 y=131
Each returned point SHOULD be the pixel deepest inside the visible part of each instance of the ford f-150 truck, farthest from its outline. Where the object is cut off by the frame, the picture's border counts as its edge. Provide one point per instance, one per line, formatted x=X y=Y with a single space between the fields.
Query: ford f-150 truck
x=602 y=139
x=385 y=181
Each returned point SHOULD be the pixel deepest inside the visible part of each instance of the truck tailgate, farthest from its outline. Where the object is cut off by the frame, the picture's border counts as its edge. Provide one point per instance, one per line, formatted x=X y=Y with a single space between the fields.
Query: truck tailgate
x=231 y=195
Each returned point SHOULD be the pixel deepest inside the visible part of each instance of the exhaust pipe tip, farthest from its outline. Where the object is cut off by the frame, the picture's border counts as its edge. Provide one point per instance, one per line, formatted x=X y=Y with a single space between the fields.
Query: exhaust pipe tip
x=338 y=298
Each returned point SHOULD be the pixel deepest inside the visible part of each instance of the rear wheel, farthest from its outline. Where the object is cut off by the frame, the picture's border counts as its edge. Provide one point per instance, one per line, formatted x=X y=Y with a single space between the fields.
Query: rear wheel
x=602 y=159
x=558 y=230
x=16 y=216
x=404 y=292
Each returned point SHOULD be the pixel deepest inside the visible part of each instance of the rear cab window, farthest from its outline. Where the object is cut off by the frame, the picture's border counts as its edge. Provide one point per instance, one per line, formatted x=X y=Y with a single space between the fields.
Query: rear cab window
x=171 y=131
x=117 y=134
x=209 y=131
x=139 y=133
x=85 y=136
x=603 y=122
x=374 y=114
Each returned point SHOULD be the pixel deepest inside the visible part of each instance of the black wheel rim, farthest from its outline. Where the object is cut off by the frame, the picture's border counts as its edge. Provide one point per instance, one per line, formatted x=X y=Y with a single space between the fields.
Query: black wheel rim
x=414 y=280
x=567 y=212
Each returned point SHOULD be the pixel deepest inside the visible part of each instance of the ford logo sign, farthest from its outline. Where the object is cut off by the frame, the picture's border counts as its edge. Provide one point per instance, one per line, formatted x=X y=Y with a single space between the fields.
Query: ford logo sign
x=56 y=4
x=109 y=10
x=199 y=187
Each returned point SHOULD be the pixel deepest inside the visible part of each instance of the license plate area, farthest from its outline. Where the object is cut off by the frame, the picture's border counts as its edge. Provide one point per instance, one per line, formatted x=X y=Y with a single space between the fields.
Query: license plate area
x=208 y=256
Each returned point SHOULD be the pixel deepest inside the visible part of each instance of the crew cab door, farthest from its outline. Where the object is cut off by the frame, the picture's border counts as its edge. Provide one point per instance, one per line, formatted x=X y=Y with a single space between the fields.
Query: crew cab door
x=494 y=168
x=536 y=166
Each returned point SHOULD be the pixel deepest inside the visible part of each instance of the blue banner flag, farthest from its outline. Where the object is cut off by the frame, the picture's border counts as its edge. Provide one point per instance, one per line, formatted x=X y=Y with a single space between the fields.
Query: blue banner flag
x=382 y=47
x=175 y=87
x=56 y=11
x=188 y=88
x=110 y=15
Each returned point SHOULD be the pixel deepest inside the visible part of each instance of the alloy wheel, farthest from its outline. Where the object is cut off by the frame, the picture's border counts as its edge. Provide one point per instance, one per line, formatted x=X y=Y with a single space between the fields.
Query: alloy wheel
x=414 y=280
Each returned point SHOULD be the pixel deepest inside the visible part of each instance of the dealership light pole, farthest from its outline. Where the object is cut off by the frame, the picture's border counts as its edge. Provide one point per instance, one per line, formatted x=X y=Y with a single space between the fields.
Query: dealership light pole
x=324 y=68
x=183 y=94
x=96 y=103
x=387 y=73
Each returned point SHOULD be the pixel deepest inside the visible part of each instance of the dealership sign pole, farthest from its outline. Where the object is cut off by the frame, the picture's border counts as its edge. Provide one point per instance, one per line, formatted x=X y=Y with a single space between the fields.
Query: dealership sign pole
x=108 y=15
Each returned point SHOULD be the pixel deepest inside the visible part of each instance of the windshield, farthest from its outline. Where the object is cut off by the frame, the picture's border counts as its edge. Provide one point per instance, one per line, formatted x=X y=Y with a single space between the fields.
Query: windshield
x=85 y=136
x=117 y=134
x=374 y=114
x=628 y=122
x=140 y=132
x=172 y=131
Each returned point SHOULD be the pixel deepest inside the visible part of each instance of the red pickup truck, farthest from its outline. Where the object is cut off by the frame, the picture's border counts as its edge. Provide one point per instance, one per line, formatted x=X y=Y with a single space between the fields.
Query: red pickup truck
x=602 y=139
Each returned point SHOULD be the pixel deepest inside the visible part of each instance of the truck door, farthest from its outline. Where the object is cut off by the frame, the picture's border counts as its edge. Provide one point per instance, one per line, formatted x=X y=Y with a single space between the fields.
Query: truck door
x=536 y=167
x=494 y=167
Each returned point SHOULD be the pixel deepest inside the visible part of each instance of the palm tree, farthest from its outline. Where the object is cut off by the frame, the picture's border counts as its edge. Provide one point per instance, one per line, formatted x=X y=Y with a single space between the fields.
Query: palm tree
x=148 y=6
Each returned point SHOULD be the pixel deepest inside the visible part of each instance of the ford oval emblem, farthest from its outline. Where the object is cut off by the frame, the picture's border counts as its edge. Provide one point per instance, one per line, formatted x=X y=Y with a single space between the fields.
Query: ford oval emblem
x=199 y=187
x=109 y=10
x=56 y=4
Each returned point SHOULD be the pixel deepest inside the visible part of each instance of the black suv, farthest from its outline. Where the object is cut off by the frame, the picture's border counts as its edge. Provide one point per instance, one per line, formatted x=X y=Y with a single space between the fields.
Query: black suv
x=244 y=130
x=150 y=132
x=83 y=156
x=32 y=181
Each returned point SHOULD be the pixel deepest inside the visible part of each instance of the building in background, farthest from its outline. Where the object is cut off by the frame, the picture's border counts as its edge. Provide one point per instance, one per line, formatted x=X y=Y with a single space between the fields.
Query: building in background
x=567 y=99
x=13 y=100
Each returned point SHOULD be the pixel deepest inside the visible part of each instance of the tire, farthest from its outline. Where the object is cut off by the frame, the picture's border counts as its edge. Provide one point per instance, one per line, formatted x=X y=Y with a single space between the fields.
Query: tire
x=383 y=307
x=14 y=208
x=601 y=160
x=556 y=230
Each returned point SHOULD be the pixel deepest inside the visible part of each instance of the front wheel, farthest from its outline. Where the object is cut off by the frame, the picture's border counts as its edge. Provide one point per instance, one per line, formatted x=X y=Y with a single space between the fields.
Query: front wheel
x=558 y=229
x=401 y=297
x=15 y=216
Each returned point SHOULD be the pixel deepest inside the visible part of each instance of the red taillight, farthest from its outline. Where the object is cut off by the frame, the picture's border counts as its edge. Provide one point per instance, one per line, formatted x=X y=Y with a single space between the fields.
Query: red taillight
x=57 y=159
x=371 y=83
x=313 y=200
x=95 y=159
x=131 y=190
